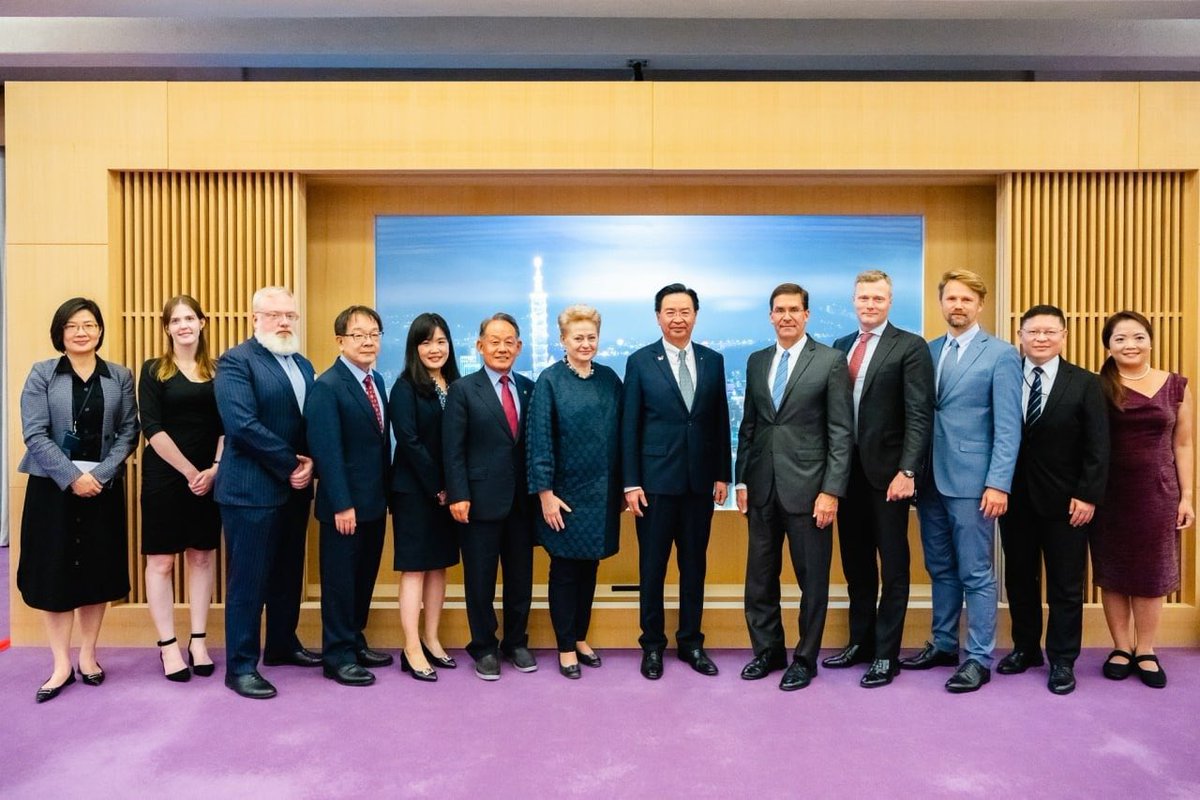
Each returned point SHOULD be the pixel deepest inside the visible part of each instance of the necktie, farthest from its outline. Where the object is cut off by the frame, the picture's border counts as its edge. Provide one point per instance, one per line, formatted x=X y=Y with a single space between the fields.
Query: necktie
x=686 y=387
x=949 y=367
x=781 y=377
x=856 y=358
x=370 y=386
x=510 y=405
x=297 y=380
x=1033 y=408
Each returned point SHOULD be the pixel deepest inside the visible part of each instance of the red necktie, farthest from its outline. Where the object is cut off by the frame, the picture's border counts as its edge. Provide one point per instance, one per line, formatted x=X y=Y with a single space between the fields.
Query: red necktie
x=510 y=405
x=370 y=384
x=856 y=358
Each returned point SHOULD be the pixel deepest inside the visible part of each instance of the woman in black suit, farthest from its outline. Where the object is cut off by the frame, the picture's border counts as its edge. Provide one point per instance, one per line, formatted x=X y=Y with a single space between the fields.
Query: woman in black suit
x=79 y=421
x=424 y=535
x=183 y=447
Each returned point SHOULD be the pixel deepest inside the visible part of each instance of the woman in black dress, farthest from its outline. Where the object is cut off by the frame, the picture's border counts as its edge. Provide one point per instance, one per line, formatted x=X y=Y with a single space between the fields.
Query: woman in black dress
x=423 y=533
x=574 y=467
x=79 y=421
x=179 y=464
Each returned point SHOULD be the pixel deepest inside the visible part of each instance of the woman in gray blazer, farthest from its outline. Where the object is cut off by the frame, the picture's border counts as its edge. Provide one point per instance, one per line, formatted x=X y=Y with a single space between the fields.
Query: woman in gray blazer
x=79 y=421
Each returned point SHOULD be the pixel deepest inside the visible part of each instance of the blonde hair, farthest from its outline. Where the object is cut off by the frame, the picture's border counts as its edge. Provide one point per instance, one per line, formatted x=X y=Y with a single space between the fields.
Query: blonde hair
x=577 y=313
x=873 y=276
x=971 y=280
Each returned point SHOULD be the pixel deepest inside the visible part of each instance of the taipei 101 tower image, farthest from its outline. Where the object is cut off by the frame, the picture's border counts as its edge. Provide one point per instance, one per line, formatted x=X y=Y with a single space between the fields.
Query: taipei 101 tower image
x=539 y=333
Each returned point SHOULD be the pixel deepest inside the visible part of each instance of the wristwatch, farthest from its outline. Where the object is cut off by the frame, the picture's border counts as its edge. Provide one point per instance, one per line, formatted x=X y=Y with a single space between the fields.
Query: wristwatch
x=908 y=473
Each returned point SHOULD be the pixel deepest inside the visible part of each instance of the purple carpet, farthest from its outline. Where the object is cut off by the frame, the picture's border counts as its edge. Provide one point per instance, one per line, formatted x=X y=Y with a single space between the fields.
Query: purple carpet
x=611 y=733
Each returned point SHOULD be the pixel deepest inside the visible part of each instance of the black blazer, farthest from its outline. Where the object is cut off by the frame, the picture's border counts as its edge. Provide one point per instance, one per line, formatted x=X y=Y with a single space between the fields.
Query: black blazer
x=665 y=449
x=895 y=412
x=417 y=425
x=482 y=460
x=1064 y=454
x=804 y=447
x=349 y=451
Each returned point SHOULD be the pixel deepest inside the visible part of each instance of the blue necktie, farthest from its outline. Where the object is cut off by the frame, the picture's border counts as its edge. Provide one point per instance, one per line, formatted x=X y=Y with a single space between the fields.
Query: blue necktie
x=1033 y=408
x=949 y=367
x=781 y=376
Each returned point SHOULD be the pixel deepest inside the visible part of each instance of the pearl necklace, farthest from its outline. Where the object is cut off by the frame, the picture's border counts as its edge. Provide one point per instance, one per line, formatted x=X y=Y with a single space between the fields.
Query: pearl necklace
x=1145 y=372
x=576 y=372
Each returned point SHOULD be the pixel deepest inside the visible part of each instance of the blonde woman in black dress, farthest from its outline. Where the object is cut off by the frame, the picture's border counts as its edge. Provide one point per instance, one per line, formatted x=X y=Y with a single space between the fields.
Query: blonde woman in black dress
x=179 y=464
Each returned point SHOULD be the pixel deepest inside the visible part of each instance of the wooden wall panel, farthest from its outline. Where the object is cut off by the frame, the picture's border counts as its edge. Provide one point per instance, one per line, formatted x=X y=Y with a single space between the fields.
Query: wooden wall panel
x=374 y=126
x=1169 y=124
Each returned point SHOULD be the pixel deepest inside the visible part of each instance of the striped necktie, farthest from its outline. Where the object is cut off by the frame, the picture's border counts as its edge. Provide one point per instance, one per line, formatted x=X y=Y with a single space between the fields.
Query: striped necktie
x=1033 y=408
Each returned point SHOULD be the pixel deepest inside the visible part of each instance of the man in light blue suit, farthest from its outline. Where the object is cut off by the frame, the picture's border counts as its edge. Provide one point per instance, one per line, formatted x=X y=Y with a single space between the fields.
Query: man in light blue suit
x=976 y=436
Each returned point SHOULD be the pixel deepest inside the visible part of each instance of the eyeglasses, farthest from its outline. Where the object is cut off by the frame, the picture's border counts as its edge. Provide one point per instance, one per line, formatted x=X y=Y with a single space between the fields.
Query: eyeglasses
x=75 y=327
x=1042 y=333
x=359 y=338
x=275 y=316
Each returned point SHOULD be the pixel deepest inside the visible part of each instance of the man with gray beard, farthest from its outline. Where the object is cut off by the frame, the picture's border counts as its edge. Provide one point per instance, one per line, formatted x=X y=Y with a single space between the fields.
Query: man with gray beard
x=264 y=489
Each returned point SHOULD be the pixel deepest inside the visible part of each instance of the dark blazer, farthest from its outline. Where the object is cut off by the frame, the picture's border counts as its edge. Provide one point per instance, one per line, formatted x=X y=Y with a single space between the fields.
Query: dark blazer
x=417 y=425
x=349 y=450
x=482 y=460
x=895 y=411
x=47 y=413
x=804 y=447
x=264 y=427
x=665 y=449
x=1064 y=453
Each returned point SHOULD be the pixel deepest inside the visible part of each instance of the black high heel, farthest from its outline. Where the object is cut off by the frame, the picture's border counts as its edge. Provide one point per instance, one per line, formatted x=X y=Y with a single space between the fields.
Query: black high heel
x=201 y=670
x=429 y=675
x=446 y=663
x=181 y=676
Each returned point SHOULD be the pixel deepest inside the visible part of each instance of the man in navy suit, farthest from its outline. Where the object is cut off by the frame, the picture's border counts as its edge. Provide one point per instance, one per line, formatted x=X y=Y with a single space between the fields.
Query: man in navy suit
x=264 y=489
x=483 y=447
x=347 y=435
x=676 y=464
x=976 y=437
x=892 y=379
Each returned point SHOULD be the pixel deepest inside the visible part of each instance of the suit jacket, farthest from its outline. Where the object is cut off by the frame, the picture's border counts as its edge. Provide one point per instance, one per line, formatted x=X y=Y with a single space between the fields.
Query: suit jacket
x=666 y=449
x=483 y=462
x=264 y=426
x=417 y=425
x=350 y=451
x=804 y=447
x=977 y=419
x=47 y=412
x=1064 y=453
x=895 y=411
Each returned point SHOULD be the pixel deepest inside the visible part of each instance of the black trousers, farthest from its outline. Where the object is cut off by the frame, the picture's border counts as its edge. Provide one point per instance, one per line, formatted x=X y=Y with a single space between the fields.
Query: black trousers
x=868 y=525
x=684 y=521
x=811 y=549
x=349 y=566
x=1027 y=539
x=571 y=592
x=265 y=566
x=508 y=544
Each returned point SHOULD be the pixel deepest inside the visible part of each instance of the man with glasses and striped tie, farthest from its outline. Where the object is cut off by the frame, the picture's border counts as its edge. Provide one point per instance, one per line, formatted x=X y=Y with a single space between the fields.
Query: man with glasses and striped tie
x=793 y=463
x=1061 y=473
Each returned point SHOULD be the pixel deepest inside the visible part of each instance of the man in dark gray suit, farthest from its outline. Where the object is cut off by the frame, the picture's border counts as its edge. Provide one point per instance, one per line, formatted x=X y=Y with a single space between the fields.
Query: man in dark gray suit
x=793 y=463
x=892 y=378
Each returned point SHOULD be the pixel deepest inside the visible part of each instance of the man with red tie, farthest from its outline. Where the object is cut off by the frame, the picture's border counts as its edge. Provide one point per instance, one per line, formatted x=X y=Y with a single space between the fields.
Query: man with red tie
x=483 y=445
x=891 y=374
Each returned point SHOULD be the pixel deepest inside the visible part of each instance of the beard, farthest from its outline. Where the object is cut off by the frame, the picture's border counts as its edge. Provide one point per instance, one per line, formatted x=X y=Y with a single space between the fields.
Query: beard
x=278 y=345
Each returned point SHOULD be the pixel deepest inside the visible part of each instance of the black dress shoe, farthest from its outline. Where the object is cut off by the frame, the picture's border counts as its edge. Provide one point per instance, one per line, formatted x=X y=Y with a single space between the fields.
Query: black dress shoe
x=652 y=665
x=52 y=692
x=571 y=671
x=849 y=656
x=1155 y=679
x=429 y=674
x=762 y=665
x=251 y=685
x=522 y=659
x=373 y=658
x=300 y=658
x=928 y=658
x=488 y=668
x=798 y=675
x=1116 y=671
x=699 y=661
x=92 y=678
x=588 y=659
x=1062 y=679
x=444 y=663
x=880 y=673
x=1018 y=661
x=351 y=674
x=970 y=677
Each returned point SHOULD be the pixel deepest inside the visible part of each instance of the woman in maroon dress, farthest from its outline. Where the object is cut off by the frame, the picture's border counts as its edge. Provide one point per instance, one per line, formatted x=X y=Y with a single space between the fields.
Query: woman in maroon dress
x=1135 y=546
